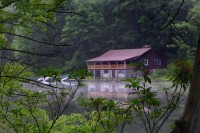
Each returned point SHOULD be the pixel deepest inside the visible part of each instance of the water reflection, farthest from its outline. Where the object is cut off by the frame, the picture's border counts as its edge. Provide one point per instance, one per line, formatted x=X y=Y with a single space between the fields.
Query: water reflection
x=110 y=90
x=116 y=91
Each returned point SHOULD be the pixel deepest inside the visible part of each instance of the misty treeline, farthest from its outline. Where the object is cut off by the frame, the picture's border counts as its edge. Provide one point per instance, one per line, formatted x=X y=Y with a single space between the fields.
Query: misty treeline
x=92 y=27
x=32 y=37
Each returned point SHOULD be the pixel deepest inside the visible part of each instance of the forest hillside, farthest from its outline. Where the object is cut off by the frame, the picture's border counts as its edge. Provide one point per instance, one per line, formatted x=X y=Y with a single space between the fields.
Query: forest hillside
x=92 y=27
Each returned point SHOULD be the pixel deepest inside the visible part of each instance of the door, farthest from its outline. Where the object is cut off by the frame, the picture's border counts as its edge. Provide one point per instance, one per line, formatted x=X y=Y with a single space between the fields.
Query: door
x=97 y=74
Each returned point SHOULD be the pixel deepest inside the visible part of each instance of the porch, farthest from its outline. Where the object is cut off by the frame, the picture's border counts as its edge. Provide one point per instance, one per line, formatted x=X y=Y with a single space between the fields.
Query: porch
x=109 y=65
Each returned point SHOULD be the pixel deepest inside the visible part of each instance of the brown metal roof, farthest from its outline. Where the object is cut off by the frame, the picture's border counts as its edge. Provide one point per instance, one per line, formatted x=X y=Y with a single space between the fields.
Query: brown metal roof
x=121 y=54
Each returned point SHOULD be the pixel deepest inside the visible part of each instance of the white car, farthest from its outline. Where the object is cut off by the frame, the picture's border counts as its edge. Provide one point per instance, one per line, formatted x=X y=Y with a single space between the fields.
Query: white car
x=66 y=81
x=46 y=80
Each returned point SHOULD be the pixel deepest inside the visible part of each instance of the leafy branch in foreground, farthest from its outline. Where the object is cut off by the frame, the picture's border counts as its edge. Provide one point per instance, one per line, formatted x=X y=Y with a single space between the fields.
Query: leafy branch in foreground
x=28 y=110
x=106 y=116
x=152 y=111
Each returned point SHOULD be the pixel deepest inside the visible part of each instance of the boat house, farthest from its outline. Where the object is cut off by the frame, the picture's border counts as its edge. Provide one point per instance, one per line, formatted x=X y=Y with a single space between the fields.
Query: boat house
x=116 y=63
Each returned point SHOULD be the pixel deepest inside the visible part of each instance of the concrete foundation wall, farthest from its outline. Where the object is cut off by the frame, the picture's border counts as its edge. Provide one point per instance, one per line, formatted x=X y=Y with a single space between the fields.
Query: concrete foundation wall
x=116 y=74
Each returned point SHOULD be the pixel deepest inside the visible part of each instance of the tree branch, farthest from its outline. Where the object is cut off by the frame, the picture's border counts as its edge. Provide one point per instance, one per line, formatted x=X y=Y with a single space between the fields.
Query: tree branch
x=172 y=19
x=34 y=40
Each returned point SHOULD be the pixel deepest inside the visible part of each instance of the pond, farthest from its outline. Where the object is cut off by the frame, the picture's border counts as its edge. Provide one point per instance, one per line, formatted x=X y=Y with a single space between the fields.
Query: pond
x=118 y=92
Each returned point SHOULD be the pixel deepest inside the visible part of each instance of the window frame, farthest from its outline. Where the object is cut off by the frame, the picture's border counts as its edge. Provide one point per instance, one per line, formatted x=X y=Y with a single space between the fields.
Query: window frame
x=157 y=62
x=106 y=71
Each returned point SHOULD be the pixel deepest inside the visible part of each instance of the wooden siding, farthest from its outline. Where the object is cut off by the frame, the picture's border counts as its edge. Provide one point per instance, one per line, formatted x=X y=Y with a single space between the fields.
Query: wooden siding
x=151 y=55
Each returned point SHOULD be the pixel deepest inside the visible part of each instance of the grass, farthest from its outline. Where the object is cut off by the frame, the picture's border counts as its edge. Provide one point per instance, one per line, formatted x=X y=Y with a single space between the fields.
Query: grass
x=159 y=75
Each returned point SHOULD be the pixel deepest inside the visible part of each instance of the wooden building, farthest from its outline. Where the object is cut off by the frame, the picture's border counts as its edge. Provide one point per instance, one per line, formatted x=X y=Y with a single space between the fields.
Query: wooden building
x=116 y=63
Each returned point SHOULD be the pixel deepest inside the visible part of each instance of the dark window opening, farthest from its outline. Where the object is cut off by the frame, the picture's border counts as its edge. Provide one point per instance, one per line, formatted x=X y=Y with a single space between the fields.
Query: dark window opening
x=97 y=63
x=157 y=62
x=113 y=63
x=106 y=71
x=120 y=62
x=105 y=63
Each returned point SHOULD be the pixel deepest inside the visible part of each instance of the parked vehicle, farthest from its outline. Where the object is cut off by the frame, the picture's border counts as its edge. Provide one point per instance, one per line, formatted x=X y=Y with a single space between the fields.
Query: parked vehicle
x=46 y=80
x=66 y=81
x=63 y=81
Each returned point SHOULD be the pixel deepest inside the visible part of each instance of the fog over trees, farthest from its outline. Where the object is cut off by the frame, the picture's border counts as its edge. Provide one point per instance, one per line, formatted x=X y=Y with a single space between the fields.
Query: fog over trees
x=37 y=36
x=92 y=27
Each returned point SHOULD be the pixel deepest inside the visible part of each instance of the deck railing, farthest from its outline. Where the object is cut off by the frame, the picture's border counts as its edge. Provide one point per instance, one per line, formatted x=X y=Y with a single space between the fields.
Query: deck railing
x=117 y=66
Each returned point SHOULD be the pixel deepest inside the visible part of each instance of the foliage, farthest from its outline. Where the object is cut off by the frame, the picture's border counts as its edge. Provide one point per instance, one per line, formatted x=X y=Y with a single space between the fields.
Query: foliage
x=18 y=104
x=106 y=115
x=186 y=47
x=22 y=109
x=52 y=72
x=97 y=25
x=194 y=14
x=129 y=24
x=29 y=28
x=151 y=110
x=93 y=27
x=181 y=73
x=159 y=75
x=72 y=124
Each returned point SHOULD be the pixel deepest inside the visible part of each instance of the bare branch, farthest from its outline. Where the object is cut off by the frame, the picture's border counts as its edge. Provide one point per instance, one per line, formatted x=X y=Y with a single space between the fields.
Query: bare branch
x=34 y=40
x=172 y=19
x=56 y=6
x=8 y=4
x=26 y=52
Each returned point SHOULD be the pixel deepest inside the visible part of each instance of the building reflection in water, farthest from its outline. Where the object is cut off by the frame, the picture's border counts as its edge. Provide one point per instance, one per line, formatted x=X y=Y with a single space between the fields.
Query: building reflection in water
x=110 y=90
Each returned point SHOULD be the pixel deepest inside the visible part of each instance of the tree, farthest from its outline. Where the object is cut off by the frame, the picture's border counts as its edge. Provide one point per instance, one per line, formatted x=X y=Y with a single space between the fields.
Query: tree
x=190 y=121
x=22 y=109
x=104 y=25
x=51 y=34
x=85 y=31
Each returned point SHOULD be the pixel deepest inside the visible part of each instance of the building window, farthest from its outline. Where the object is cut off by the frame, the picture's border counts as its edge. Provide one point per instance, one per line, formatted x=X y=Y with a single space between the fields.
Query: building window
x=120 y=62
x=106 y=71
x=92 y=71
x=101 y=71
x=127 y=62
x=120 y=72
x=113 y=63
x=97 y=63
x=146 y=63
x=157 y=62
x=105 y=63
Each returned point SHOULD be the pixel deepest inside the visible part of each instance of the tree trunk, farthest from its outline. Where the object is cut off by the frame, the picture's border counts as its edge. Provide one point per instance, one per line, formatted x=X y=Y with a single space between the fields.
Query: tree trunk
x=190 y=121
